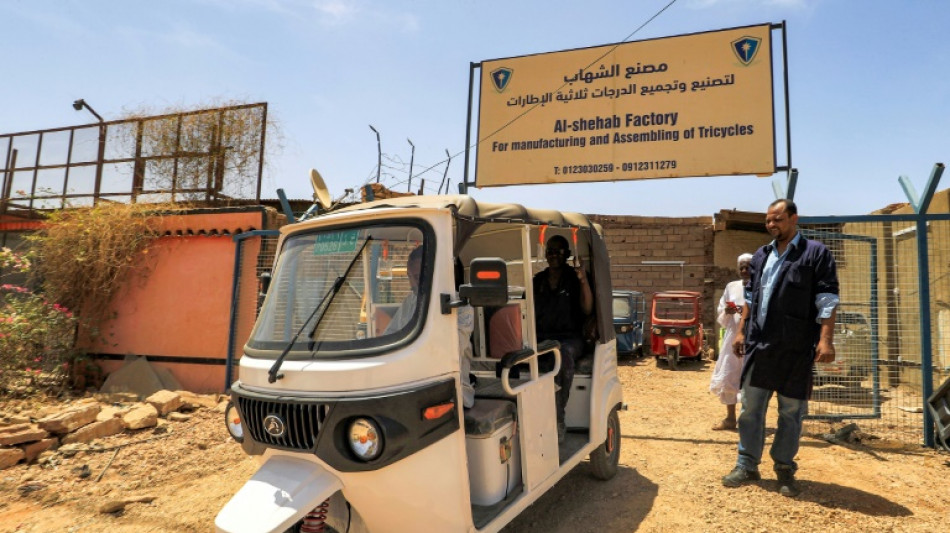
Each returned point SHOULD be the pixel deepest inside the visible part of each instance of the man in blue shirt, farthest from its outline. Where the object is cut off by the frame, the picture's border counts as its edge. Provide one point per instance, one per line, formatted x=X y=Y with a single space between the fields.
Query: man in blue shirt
x=786 y=327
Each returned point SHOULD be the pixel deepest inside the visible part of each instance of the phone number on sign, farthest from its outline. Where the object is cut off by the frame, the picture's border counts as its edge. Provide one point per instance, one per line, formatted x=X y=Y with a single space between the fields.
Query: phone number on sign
x=584 y=169
x=639 y=166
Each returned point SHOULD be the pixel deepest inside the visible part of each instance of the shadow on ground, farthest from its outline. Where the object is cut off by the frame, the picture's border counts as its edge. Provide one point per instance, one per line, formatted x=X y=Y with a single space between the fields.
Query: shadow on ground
x=579 y=502
x=834 y=496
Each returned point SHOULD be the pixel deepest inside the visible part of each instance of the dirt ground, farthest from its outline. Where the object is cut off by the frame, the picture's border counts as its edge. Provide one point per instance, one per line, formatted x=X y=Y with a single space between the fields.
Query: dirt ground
x=671 y=464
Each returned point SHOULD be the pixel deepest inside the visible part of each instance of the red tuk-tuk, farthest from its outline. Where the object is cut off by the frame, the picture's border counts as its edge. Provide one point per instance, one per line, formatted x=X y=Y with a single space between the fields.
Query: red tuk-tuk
x=677 y=332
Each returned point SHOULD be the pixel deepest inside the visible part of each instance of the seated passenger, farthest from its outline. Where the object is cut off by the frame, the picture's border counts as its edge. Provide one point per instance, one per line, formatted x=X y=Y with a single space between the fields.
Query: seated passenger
x=562 y=300
x=466 y=321
x=408 y=306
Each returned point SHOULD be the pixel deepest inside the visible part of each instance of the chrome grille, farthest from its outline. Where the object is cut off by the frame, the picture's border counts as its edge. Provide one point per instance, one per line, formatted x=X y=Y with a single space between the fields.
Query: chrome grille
x=302 y=421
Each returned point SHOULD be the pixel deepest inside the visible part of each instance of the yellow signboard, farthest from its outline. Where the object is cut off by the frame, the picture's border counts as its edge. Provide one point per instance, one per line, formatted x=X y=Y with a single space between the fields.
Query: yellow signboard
x=690 y=105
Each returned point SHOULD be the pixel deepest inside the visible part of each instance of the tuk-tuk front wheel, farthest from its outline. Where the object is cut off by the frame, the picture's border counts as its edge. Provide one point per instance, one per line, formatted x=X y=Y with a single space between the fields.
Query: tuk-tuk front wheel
x=606 y=457
x=672 y=358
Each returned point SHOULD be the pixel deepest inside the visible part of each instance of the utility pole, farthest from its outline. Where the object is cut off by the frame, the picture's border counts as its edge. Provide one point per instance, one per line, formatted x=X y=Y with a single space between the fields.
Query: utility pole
x=412 y=158
x=379 y=152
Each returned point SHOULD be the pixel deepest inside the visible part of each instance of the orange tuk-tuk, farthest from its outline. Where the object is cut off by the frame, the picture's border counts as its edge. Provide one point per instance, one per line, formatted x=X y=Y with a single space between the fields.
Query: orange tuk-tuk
x=677 y=331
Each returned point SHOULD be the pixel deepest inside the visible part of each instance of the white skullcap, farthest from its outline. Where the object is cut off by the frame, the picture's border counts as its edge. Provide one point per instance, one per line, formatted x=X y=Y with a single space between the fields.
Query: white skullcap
x=744 y=257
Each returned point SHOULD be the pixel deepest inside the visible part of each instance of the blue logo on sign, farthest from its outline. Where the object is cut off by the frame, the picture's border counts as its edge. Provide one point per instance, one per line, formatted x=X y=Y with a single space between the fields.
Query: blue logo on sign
x=500 y=77
x=746 y=48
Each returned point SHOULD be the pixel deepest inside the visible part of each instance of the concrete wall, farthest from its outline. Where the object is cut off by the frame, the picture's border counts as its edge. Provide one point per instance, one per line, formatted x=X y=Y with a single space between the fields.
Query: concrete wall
x=180 y=309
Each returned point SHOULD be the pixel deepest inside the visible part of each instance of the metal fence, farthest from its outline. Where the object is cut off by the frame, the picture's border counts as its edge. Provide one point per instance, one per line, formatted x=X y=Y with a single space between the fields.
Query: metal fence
x=209 y=155
x=892 y=333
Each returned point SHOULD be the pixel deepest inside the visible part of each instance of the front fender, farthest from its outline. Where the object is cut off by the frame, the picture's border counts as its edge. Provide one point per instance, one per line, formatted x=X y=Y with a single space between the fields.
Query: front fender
x=280 y=493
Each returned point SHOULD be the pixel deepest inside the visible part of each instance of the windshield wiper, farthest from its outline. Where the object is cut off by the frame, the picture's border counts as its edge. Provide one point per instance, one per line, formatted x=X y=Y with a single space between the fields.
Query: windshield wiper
x=272 y=374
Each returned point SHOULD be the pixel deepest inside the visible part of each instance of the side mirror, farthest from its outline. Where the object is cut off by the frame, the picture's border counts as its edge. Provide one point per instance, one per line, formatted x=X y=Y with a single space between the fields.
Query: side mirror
x=264 y=283
x=488 y=283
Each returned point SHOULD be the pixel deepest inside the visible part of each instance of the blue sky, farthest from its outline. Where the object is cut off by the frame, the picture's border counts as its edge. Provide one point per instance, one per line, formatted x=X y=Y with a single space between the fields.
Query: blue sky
x=868 y=90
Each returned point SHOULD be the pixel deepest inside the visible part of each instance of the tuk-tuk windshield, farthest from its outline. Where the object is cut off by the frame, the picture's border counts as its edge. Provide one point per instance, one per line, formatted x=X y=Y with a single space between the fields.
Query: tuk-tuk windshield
x=342 y=291
x=622 y=308
x=674 y=310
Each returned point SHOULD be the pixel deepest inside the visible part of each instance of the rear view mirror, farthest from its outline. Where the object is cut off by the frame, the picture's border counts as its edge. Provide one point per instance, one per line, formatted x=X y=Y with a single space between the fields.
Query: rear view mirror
x=488 y=283
x=262 y=286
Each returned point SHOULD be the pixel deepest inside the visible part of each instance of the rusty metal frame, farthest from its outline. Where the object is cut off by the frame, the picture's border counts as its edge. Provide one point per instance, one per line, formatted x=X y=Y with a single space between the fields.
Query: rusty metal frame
x=25 y=206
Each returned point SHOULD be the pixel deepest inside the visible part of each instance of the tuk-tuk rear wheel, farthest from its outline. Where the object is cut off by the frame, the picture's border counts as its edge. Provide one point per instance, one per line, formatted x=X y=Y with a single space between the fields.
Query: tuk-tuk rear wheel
x=605 y=459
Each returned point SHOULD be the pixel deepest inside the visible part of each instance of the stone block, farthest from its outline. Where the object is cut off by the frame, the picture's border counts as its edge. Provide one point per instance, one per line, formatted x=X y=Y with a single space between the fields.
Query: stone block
x=96 y=430
x=178 y=417
x=71 y=420
x=20 y=433
x=10 y=457
x=32 y=450
x=111 y=411
x=13 y=419
x=164 y=401
x=145 y=416
x=191 y=401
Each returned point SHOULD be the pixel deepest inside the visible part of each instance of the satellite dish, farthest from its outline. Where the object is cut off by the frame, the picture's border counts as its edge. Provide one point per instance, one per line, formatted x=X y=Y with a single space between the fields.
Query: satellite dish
x=321 y=194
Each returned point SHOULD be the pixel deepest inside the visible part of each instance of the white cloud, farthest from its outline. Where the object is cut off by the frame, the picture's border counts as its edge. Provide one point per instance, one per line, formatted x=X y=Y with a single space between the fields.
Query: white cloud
x=188 y=38
x=336 y=11
x=178 y=37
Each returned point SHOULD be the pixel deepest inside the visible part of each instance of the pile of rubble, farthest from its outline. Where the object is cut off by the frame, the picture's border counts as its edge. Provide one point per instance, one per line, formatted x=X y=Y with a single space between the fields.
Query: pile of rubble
x=29 y=436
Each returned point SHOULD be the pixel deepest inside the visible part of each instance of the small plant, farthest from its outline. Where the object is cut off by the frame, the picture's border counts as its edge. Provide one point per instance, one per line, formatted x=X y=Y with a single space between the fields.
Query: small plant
x=36 y=335
x=83 y=255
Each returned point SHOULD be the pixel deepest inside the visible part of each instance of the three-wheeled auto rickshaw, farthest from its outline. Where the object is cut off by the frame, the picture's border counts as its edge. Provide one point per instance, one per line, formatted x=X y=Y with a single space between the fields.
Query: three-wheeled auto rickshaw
x=353 y=385
x=677 y=330
x=629 y=310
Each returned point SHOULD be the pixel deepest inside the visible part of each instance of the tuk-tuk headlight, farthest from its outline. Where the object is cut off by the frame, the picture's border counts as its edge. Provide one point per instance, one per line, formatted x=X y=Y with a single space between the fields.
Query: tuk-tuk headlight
x=657 y=331
x=688 y=333
x=232 y=419
x=365 y=439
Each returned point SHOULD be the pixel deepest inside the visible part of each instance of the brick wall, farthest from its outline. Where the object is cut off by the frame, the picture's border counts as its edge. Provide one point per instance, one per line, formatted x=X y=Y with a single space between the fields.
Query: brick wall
x=633 y=242
x=708 y=254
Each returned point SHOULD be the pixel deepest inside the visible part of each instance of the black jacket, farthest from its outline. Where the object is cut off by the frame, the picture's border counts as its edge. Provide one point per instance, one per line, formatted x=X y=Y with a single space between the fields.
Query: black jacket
x=783 y=349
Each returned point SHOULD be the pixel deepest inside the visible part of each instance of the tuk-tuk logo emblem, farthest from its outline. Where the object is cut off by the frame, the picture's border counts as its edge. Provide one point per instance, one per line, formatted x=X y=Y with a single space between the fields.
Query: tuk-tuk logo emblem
x=274 y=426
x=746 y=48
x=500 y=77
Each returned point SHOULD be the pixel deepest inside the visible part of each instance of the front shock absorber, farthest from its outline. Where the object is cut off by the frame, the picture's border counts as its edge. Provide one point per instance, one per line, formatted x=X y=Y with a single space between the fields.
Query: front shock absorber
x=316 y=519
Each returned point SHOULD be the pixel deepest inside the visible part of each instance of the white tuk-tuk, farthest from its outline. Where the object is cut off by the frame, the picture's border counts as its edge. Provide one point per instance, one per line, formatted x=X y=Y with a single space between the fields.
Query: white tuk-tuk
x=355 y=383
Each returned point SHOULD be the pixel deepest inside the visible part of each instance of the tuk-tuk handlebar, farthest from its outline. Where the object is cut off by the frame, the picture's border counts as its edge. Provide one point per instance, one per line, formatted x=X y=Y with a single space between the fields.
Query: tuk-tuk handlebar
x=527 y=355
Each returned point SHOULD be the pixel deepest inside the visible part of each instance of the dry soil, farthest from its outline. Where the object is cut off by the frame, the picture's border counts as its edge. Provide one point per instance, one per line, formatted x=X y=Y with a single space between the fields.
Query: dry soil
x=669 y=479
